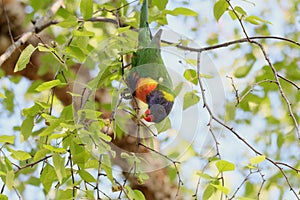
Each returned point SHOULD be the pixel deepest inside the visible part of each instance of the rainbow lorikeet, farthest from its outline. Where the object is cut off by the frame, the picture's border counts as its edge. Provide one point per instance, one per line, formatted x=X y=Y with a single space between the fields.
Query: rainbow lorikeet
x=148 y=79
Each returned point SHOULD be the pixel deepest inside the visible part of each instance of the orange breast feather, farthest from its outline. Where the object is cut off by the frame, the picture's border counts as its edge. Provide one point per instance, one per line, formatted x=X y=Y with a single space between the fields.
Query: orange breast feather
x=144 y=87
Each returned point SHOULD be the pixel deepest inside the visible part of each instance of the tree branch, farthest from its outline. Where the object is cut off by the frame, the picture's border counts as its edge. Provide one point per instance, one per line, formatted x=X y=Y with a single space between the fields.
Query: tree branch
x=39 y=26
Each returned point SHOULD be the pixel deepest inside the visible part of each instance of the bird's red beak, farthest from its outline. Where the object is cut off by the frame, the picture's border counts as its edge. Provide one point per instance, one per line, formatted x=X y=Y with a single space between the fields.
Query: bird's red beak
x=148 y=117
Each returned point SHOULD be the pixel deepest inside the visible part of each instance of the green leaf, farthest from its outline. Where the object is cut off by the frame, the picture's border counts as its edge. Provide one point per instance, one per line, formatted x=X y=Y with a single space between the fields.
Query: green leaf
x=104 y=137
x=24 y=58
x=208 y=192
x=224 y=165
x=9 y=179
x=245 y=198
x=240 y=10
x=42 y=48
x=163 y=125
x=219 y=8
x=40 y=154
x=54 y=149
x=47 y=131
x=2 y=95
x=134 y=194
x=89 y=114
x=107 y=167
x=204 y=175
x=10 y=139
x=3 y=197
x=257 y=159
x=82 y=33
x=70 y=22
x=86 y=8
x=161 y=4
x=20 y=155
x=34 y=181
x=256 y=20
x=242 y=71
x=180 y=11
x=65 y=194
x=48 y=176
x=9 y=100
x=86 y=176
x=76 y=52
x=59 y=165
x=221 y=188
x=26 y=128
x=190 y=99
x=48 y=85
x=178 y=88
x=191 y=76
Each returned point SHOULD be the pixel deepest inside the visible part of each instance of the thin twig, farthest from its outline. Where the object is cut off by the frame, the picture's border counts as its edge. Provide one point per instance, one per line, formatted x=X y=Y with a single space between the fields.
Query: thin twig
x=8 y=23
x=31 y=164
x=289 y=81
x=231 y=129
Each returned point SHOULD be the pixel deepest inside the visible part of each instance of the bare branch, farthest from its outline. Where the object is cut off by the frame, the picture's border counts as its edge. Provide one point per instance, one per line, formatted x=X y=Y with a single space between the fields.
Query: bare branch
x=40 y=24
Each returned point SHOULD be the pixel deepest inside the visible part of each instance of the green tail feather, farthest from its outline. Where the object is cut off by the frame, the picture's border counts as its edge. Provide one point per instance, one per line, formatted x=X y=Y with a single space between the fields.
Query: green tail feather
x=144 y=34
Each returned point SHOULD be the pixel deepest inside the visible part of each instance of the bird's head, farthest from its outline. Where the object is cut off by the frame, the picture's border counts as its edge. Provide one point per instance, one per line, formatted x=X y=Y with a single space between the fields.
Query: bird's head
x=158 y=107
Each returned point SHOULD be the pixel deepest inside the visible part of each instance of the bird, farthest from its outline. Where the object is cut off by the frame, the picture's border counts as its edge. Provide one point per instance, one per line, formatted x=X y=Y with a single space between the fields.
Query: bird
x=148 y=79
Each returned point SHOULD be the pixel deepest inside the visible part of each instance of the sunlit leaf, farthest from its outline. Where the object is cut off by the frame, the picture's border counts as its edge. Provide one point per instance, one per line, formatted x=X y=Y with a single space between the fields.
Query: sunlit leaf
x=181 y=11
x=257 y=159
x=242 y=71
x=191 y=76
x=86 y=8
x=86 y=176
x=54 y=149
x=208 y=192
x=219 y=8
x=256 y=20
x=48 y=85
x=3 y=197
x=24 y=58
x=48 y=176
x=10 y=139
x=221 y=188
x=224 y=165
x=59 y=164
x=2 y=95
x=190 y=99
x=20 y=155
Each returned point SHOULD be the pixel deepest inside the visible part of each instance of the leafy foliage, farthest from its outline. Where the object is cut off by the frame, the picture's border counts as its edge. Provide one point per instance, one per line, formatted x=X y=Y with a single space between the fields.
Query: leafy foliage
x=70 y=150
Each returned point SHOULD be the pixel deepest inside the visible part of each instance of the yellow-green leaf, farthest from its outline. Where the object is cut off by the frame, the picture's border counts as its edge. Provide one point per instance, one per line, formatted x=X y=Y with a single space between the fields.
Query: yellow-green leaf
x=191 y=76
x=257 y=159
x=219 y=8
x=181 y=11
x=9 y=179
x=24 y=58
x=242 y=71
x=54 y=149
x=224 y=165
x=48 y=85
x=2 y=95
x=86 y=176
x=256 y=20
x=221 y=188
x=3 y=197
x=190 y=99
x=20 y=155
x=86 y=8
x=59 y=164
x=10 y=139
